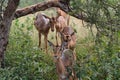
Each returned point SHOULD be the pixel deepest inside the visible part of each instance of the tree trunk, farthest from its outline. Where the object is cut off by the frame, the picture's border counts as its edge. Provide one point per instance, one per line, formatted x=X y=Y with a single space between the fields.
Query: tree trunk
x=8 y=16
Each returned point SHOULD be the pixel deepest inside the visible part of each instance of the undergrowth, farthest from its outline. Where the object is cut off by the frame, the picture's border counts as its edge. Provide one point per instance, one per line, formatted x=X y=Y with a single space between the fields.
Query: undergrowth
x=25 y=61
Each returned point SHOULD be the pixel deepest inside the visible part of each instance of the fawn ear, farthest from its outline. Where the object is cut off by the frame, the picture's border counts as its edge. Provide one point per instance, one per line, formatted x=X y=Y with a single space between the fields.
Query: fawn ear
x=51 y=44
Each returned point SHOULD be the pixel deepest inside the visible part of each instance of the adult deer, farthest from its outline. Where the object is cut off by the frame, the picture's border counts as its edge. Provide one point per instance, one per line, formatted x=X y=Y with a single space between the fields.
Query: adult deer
x=43 y=24
x=69 y=39
x=64 y=61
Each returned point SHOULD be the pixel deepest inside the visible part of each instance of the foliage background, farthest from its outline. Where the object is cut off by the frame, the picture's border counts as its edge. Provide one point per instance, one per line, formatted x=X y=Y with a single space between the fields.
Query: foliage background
x=98 y=48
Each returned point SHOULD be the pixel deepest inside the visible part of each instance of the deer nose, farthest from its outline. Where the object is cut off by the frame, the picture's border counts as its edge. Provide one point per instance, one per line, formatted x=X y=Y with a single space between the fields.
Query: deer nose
x=67 y=37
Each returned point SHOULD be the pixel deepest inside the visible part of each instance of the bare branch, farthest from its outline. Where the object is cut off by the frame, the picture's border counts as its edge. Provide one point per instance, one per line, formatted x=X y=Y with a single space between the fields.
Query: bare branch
x=45 y=5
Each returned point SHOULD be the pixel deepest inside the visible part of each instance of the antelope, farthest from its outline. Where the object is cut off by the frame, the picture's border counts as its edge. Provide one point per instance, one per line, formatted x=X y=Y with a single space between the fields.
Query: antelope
x=59 y=25
x=43 y=24
x=64 y=62
x=69 y=39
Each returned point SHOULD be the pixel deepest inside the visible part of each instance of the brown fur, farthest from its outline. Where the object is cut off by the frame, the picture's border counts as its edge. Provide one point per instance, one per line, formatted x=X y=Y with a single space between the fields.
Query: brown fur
x=59 y=25
x=43 y=24
x=63 y=59
x=69 y=39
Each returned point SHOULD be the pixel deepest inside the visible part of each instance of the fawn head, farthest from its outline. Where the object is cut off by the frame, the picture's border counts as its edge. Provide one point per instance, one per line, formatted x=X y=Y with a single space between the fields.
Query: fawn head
x=56 y=49
x=66 y=37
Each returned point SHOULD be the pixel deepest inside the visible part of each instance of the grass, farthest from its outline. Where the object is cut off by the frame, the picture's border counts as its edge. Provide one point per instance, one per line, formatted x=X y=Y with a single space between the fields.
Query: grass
x=25 y=61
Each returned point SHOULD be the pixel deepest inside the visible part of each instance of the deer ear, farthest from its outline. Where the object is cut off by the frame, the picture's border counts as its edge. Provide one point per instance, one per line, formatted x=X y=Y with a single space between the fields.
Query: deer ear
x=51 y=44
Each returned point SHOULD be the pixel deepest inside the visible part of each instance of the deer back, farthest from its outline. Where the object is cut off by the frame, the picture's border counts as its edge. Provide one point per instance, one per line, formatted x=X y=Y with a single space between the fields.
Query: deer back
x=42 y=23
x=67 y=57
x=60 y=23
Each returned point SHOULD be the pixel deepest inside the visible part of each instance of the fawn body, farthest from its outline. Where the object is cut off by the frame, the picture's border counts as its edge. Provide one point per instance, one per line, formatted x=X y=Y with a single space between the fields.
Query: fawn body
x=64 y=61
x=59 y=25
x=43 y=24
x=69 y=39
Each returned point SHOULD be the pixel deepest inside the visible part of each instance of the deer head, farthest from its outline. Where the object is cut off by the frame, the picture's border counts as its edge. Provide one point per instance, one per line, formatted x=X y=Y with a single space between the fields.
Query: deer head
x=52 y=22
x=67 y=33
x=56 y=49
x=61 y=52
x=69 y=39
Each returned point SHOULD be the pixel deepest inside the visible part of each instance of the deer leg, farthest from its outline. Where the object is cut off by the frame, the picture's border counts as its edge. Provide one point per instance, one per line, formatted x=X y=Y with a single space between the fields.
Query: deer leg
x=56 y=39
x=74 y=54
x=45 y=38
x=68 y=20
x=39 y=39
x=61 y=37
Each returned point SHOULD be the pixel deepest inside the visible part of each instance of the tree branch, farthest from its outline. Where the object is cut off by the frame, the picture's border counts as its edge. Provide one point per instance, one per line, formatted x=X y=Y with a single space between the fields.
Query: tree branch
x=45 y=5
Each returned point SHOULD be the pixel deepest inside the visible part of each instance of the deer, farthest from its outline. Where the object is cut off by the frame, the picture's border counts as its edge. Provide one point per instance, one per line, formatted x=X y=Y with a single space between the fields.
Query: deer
x=64 y=62
x=43 y=24
x=69 y=39
x=59 y=24
x=68 y=36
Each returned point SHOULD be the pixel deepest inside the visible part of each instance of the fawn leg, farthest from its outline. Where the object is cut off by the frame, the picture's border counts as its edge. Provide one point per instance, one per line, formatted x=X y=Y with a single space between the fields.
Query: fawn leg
x=68 y=20
x=45 y=38
x=56 y=39
x=74 y=54
x=39 y=39
x=61 y=37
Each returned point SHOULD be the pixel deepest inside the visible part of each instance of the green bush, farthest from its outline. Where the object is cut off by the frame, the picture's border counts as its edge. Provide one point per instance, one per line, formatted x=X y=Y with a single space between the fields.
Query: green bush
x=23 y=60
x=97 y=63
